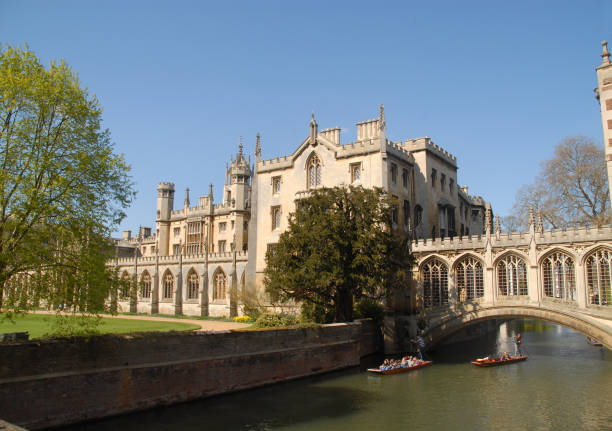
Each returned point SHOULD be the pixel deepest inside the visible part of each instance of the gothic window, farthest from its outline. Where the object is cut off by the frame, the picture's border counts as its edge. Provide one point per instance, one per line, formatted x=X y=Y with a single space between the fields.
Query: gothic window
x=394 y=211
x=435 y=283
x=125 y=285
x=220 y=285
x=168 y=285
x=177 y=232
x=145 y=285
x=451 y=185
x=598 y=268
x=393 y=173
x=222 y=227
x=194 y=238
x=276 y=217
x=470 y=285
x=313 y=169
x=442 y=182
x=176 y=249
x=418 y=215
x=222 y=246
x=276 y=185
x=405 y=178
x=559 y=276
x=512 y=276
x=193 y=284
x=434 y=175
x=355 y=172
x=406 y=213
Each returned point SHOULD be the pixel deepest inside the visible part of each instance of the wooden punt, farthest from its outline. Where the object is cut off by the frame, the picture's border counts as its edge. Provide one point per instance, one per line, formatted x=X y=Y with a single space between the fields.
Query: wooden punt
x=593 y=342
x=497 y=361
x=401 y=370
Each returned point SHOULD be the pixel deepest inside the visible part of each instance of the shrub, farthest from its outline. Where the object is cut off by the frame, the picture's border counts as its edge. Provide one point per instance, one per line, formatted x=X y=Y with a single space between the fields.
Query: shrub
x=368 y=308
x=270 y=320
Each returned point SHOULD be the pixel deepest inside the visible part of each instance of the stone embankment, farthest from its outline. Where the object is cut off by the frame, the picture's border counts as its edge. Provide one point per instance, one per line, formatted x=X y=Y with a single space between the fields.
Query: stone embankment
x=57 y=382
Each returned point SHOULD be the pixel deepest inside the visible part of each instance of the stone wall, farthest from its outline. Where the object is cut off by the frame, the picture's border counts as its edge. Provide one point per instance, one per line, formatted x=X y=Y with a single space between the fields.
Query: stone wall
x=56 y=382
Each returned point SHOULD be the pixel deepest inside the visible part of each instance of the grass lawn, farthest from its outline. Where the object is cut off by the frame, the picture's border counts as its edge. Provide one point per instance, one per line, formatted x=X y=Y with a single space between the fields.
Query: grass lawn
x=40 y=324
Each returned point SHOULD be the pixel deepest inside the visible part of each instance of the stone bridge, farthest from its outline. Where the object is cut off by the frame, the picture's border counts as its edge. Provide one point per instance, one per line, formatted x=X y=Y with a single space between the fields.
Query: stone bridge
x=560 y=276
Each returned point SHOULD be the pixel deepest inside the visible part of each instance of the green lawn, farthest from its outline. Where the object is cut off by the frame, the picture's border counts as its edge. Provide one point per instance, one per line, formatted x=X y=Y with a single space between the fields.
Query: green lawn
x=40 y=324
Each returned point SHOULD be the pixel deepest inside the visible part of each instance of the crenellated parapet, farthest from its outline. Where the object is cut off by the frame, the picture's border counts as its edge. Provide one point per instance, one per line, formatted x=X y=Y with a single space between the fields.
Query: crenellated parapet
x=425 y=143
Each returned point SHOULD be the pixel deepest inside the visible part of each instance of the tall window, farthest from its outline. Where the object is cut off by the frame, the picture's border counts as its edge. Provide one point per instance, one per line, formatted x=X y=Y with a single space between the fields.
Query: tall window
x=126 y=282
x=405 y=178
x=145 y=285
x=393 y=173
x=512 y=276
x=276 y=185
x=194 y=238
x=193 y=284
x=559 y=276
x=276 y=217
x=470 y=283
x=222 y=246
x=168 y=285
x=434 y=176
x=222 y=227
x=313 y=168
x=451 y=185
x=598 y=268
x=435 y=283
x=394 y=211
x=355 y=172
x=220 y=285
x=418 y=215
x=177 y=232
x=406 y=213
x=442 y=182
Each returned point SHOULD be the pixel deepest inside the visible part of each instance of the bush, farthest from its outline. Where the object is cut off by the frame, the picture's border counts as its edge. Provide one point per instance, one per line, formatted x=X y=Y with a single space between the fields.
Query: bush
x=270 y=320
x=368 y=308
x=316 y=313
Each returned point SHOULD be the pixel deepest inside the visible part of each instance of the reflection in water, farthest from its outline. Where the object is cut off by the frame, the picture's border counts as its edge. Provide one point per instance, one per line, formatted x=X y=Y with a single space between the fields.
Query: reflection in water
x=564 y=385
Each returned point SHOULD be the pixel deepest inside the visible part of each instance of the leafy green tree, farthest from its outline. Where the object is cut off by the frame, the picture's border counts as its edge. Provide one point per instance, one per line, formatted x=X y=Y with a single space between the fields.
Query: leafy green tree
x=62 y=188
x=572 y=188
x=339 y=248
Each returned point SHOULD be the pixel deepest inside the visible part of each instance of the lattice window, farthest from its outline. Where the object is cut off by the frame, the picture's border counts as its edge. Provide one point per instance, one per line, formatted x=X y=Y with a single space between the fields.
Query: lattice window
x=276 y=185
x=313 y=168
x=355 y=172
x=434 y=274
x=512 y=276
x=193 y=284
x=598 y=268
x=145 y=285
x=276 y=217
x=559 y=276
x=469 y=278
x=194 y=238
x=220 y=281
x=168 y=285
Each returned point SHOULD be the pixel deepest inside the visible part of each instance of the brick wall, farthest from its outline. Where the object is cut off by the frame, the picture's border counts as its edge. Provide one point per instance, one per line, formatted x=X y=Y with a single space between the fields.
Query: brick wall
x=56 y=382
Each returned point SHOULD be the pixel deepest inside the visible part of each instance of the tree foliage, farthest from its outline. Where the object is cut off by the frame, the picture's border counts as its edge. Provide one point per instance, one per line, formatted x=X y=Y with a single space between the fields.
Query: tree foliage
x=571 y=190
x=339 y=247
x=62 y=188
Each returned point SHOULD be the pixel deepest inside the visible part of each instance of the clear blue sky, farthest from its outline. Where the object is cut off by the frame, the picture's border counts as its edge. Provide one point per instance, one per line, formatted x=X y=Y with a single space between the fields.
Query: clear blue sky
x=496 y=83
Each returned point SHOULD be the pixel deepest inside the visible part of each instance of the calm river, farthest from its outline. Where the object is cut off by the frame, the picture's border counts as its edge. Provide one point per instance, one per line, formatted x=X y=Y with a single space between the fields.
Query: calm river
x=566 y=384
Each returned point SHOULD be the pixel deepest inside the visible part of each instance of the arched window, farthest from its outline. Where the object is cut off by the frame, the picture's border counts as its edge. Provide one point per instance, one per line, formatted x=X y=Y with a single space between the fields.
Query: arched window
x=168 y=285
x=220 y=285
x=512 y=276
x=418 y=215
x=145 y=285
x=559 y=276
x=193 y=284
x=435 y=283
x=125 y=285
x=313 y=169
x=598 y=268
x=468 y=273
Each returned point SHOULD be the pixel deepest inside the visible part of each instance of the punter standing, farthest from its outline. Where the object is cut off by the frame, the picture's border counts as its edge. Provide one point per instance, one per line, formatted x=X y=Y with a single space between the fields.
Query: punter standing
x=517 y=343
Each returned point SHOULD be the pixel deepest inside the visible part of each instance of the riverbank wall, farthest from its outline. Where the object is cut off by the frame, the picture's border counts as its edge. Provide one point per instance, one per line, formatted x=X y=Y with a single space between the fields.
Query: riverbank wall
x=58 y=382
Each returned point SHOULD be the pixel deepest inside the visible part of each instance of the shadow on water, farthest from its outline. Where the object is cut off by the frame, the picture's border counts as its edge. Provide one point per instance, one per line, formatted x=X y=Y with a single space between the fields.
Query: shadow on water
x=256 y=409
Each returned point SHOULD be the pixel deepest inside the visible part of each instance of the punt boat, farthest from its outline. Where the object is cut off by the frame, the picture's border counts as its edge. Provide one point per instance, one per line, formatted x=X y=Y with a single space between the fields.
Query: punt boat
x=493 y=362
x=400 y=370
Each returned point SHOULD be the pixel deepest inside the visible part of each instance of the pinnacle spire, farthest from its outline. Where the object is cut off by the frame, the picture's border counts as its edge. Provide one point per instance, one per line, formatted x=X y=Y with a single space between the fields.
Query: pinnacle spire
x=258 y=145
x=381 y=117
x=240 y=147
x=605 y=54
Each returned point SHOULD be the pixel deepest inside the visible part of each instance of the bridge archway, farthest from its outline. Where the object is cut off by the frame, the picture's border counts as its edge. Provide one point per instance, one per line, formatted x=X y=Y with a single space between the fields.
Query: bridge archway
x=599 y=329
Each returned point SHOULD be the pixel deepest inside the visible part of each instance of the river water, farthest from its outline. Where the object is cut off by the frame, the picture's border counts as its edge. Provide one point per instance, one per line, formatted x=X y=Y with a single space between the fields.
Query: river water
x=566 y=384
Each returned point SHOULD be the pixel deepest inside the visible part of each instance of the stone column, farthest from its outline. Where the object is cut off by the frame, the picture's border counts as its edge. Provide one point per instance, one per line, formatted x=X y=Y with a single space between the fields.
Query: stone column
x=233 y=291
x=178 y=294
x=155 y=287
x=134 y=289
x=581 y=294
x=204 y=283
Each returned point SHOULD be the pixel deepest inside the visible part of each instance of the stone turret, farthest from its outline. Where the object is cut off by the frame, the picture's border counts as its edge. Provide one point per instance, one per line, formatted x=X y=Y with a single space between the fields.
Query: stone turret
x=604 y=94
x=165 y=205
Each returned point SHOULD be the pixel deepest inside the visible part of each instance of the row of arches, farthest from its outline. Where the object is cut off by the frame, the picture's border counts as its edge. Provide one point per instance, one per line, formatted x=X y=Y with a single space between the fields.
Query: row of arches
x=557 y=272
x=168 y=285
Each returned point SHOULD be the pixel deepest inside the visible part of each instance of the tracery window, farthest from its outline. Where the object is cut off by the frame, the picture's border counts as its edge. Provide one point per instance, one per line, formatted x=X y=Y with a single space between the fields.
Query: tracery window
x=125 y=285
x=559 y=276
x=598 y=268
x=145 y=285
x=168 y=285
x=220 y=285
x=470 y=285
x=313 y=169
x=193 y=284
x=434 y=274
x=512 y=276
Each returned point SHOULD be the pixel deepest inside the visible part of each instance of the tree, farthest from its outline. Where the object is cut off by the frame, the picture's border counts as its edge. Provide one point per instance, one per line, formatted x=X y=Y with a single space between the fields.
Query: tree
x=339 y=247
x=571 y=190
x=62 y=188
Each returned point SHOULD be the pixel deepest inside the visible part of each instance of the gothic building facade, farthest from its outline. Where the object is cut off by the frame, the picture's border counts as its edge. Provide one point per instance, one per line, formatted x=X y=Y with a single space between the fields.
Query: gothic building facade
x=202 y=259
